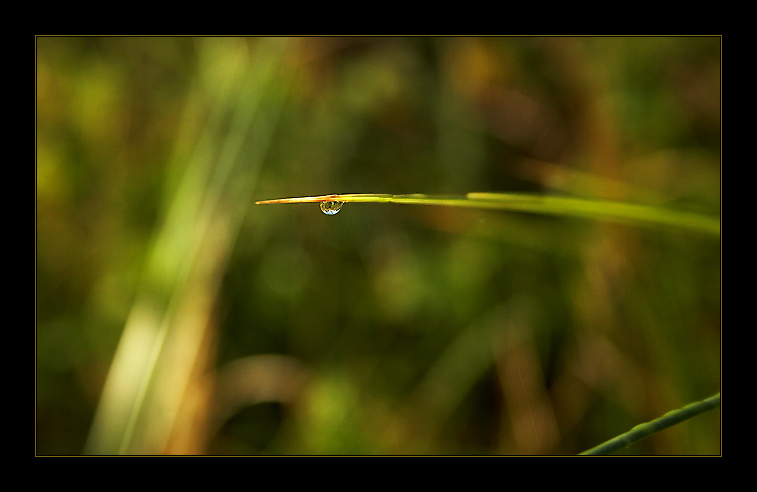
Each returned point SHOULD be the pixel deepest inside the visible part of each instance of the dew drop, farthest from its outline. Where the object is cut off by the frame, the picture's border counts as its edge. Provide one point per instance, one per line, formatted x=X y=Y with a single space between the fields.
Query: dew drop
x=331 y=208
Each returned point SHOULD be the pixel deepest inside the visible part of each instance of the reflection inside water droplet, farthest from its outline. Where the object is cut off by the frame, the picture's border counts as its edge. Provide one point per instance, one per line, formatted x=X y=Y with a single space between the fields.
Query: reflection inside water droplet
x=331 y=208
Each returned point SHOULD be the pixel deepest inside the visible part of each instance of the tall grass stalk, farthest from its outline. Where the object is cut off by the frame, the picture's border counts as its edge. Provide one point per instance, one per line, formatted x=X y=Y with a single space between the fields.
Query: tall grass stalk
x=645 y=430
x=215 y=175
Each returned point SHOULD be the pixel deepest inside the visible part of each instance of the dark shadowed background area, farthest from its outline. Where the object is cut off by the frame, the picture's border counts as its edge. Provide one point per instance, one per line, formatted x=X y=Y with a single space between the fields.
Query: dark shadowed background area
x=175 y=316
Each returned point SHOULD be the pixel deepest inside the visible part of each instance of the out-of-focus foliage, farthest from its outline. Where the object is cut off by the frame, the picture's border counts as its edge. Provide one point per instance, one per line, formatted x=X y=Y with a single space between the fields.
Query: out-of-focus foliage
x=173 y=316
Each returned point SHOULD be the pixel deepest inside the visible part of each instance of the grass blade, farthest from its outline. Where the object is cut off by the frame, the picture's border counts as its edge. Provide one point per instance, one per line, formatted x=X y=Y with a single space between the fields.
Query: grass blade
x=644 y=430
x=605 y=210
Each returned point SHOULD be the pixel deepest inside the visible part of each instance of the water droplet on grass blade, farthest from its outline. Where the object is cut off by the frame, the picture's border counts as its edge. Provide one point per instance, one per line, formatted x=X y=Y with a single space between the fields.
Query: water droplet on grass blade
x=331 y=208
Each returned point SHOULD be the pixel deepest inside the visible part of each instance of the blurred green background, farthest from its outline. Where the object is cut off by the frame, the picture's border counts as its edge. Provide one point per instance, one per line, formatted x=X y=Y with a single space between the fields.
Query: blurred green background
x=175 y=316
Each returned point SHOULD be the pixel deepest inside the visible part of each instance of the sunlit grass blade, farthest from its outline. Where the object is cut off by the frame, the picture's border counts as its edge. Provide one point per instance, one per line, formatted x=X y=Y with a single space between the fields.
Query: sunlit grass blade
x=644 y=430
x=605 y=210
x=364 y=197
x=161 y=349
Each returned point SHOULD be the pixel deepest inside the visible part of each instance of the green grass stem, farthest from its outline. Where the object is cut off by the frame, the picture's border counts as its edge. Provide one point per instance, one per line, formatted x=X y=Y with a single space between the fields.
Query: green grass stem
x=605 y=210
x=646 y=429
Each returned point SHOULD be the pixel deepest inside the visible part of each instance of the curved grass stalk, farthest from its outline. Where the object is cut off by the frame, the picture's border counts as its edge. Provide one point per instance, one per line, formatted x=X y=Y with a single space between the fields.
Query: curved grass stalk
x=642 y=215
x=644 y=430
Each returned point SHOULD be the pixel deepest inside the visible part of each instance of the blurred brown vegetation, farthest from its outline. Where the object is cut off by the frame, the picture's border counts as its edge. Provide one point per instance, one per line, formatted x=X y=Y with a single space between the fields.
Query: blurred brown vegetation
x=173 y=316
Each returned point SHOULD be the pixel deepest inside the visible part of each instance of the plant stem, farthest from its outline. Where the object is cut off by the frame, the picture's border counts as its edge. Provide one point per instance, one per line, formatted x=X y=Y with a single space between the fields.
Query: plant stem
x=644 y=430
